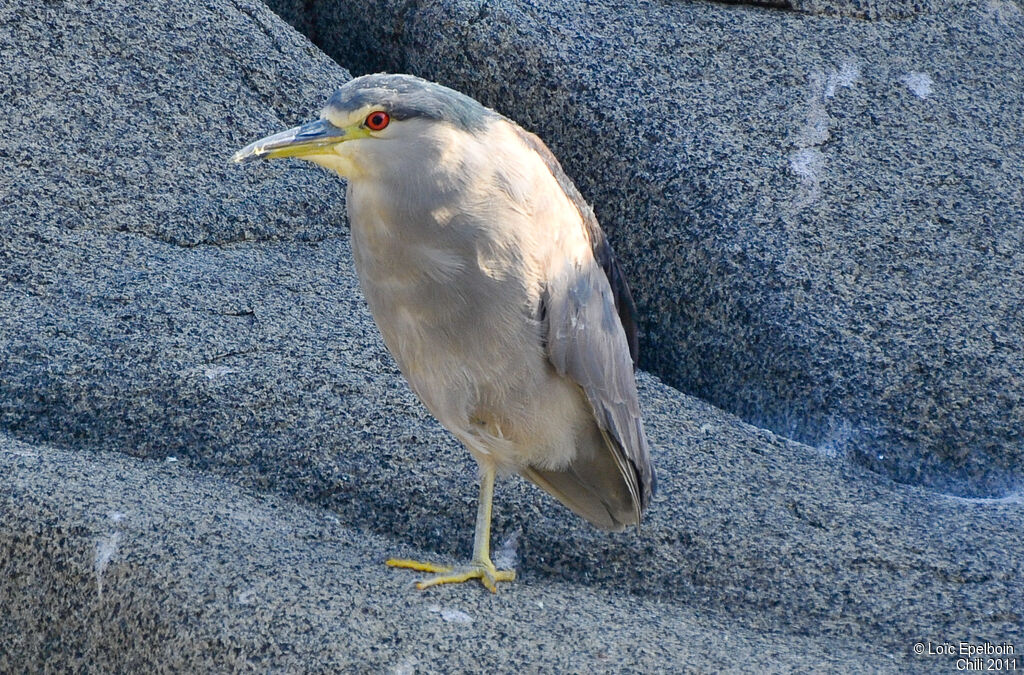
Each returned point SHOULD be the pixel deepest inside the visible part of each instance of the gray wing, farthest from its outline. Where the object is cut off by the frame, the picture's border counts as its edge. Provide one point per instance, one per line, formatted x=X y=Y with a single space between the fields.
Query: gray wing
x=592 y=338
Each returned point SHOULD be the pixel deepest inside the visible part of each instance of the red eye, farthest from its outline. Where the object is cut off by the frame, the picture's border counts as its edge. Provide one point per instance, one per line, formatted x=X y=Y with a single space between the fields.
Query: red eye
x=378 y=120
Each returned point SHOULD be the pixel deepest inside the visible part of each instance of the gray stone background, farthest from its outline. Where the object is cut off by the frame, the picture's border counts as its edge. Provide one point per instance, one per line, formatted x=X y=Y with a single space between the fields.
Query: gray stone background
x=206 y=453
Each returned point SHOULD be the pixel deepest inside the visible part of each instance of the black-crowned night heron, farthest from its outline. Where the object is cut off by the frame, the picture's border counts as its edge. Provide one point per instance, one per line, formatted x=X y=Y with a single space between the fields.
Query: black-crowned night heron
x=495 y=290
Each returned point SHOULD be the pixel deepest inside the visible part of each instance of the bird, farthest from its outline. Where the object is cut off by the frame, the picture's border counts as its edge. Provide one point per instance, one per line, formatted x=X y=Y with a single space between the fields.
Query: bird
x=495 y=290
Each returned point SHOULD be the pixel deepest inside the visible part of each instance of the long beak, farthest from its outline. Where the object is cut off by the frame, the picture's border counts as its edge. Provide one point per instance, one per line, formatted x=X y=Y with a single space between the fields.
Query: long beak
x=304 y=140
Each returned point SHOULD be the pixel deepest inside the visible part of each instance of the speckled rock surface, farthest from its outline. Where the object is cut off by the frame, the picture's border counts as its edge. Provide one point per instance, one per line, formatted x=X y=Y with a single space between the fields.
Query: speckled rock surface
x=207 y=453
x=821 y=215
x=758 y=555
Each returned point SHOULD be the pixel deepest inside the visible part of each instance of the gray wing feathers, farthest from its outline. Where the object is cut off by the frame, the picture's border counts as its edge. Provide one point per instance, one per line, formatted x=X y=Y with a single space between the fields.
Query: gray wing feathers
x=602 y=249
x=592 y=339
x=587 y=344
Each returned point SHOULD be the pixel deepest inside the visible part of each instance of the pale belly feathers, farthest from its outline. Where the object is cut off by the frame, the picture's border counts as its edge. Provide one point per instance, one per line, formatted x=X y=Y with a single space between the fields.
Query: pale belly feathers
x=457 y=303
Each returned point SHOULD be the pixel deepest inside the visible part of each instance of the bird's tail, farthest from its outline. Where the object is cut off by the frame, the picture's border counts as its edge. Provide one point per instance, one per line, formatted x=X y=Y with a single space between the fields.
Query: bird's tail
x=592 y=486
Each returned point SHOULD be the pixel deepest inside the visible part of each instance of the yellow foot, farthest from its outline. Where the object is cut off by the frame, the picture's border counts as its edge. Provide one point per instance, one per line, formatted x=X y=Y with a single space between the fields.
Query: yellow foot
x=484 y=570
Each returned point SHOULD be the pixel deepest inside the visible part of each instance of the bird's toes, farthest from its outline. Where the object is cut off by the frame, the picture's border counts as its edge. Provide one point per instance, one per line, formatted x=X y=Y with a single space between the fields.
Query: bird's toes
x=484 y=570
x=405 y=563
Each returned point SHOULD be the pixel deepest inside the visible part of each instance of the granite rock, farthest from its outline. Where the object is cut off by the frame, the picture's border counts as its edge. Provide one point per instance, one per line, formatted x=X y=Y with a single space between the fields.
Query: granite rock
x=758 y=555
x=207 y=453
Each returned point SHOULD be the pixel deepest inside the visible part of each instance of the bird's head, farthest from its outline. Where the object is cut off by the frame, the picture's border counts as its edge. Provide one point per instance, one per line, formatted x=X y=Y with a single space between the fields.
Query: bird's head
x=375 y=123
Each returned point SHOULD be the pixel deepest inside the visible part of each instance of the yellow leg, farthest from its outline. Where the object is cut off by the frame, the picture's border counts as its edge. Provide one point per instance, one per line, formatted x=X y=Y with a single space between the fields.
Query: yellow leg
x=481 y=566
